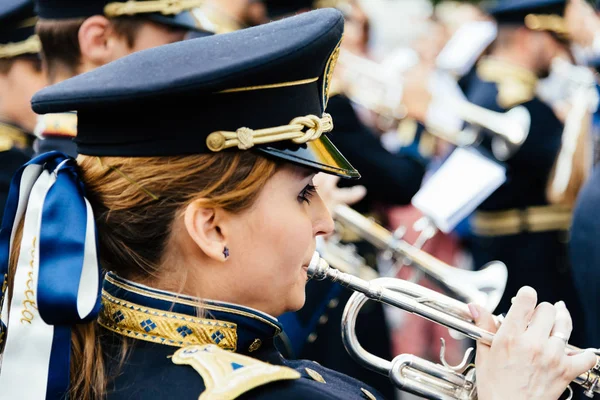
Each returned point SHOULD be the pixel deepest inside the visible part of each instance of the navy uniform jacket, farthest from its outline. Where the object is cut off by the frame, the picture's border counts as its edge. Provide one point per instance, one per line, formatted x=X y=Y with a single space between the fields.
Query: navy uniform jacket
x=175 y=355
x=537 y=259
x=585 y=254
x=15 y=151
x=315 y=333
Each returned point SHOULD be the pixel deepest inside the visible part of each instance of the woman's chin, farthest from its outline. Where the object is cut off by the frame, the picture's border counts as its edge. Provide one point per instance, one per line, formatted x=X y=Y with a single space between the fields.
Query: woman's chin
x=297 y=302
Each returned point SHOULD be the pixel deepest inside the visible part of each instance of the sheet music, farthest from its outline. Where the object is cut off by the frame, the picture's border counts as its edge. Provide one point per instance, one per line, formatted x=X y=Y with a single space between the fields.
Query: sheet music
x=458 y=187
x=465 y=46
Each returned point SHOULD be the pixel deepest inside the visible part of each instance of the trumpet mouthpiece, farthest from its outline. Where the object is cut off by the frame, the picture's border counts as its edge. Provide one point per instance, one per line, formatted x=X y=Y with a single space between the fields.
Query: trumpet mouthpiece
x=317 y=269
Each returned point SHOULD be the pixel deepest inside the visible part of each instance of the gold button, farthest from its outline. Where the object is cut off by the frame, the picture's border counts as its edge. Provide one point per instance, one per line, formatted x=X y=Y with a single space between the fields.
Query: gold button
x=312 y=337
x=255 y=345
x=323 y=320
x=315 y=375
x=333 y=303
x=368 y=394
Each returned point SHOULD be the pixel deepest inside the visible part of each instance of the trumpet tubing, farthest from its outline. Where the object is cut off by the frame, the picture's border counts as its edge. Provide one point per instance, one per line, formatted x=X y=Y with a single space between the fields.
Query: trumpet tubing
x=409 y=372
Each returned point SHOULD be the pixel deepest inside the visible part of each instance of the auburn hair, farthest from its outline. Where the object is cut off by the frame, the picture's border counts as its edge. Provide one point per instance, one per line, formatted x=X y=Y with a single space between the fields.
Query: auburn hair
x=135 y=203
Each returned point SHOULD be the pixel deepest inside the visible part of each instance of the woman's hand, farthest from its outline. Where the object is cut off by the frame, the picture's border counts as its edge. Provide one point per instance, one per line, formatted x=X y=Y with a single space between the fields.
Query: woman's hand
x=527 y=358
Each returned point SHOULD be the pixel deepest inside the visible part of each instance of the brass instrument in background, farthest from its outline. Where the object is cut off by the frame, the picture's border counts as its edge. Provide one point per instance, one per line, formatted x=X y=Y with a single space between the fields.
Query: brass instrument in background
x=372 y=86
x=508 y=130
x=484 y=287
x=409 y=372
x=379 y=89
x=345 y=258
x=576 y=86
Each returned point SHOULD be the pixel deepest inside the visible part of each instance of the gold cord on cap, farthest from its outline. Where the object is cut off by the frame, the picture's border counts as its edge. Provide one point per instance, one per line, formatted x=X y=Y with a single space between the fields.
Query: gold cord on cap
x=31 y=45
x=165 y=7
x=551 y=22
x=300 y=130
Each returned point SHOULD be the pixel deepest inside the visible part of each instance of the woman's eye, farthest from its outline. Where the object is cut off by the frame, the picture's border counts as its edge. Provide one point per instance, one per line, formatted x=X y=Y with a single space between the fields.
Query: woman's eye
x=307 y=193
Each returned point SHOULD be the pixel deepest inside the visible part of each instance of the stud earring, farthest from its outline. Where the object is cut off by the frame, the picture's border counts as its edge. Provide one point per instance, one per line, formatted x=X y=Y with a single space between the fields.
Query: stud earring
x=226 y=252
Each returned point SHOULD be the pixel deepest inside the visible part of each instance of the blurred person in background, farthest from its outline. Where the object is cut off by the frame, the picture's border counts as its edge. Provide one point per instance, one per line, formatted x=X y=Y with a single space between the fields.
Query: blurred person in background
x=80 y=36
x=21 y=76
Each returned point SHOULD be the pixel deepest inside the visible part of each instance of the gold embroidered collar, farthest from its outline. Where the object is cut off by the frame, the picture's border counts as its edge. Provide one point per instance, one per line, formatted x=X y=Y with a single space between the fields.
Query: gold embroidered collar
x=143 y=313
x=516 y=85
x=12 y=136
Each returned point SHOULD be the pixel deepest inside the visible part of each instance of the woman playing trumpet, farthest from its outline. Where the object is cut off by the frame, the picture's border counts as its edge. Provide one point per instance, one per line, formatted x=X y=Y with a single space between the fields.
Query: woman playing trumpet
x=199 y=206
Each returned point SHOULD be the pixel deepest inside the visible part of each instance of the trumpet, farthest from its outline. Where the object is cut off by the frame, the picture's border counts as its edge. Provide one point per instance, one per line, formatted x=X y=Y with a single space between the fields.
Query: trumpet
x=371 y=85
x=509 y=130
x=380 y=89
x=409 y=372
x=484 y=287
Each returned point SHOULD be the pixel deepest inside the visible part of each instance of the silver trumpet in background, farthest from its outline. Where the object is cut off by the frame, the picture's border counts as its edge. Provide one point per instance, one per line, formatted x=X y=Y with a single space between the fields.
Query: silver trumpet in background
x=484 y=287
x=379 y=88
x=409 y=372
x=508 y=130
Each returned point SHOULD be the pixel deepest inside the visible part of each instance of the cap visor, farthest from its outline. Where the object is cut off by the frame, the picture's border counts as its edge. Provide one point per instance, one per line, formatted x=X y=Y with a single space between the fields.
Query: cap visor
x=183 y=20
x=319 y=154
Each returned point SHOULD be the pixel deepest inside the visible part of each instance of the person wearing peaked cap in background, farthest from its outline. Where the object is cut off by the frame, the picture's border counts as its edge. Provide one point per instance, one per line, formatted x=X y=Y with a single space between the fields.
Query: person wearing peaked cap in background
x=519 y=224
x=206 y=220
x=20 y=77
x=78 y=36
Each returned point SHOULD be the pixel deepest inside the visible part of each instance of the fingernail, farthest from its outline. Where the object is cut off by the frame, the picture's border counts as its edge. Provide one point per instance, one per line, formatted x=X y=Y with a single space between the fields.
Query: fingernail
x=474 y=311
x=561 y=304
x=512 y=301
x=526 y=291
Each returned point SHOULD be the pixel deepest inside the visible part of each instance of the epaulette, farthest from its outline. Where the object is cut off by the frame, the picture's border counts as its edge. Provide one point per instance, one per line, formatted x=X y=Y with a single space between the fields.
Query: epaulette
x=516 y=85
x=227 y=375
x=11 y=136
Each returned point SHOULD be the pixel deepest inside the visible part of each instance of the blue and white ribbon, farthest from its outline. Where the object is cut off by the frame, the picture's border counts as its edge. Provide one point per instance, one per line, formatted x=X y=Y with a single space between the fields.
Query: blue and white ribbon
x=57 y=279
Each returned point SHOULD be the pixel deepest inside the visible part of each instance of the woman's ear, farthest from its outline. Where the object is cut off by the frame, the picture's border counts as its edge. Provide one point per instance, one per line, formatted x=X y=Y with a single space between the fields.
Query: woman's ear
x=202 y=225
x=93 y=37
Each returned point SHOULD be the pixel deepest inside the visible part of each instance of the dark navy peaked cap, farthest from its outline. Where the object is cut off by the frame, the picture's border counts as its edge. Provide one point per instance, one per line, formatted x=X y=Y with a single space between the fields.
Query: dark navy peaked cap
x=263 y=88
x=177 y=13
x=535 y=14
x=17 y=28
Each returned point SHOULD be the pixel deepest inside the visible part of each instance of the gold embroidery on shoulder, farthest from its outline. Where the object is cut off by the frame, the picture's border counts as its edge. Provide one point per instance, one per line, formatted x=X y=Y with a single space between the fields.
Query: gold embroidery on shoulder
x=516 y=85
x=228 y=375
x=5 y=143
x=11 y=136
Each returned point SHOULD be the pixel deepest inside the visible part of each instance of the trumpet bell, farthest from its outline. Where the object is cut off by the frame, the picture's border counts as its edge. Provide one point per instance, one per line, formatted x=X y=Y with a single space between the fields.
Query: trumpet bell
x=490 y=282
x=513 y=135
